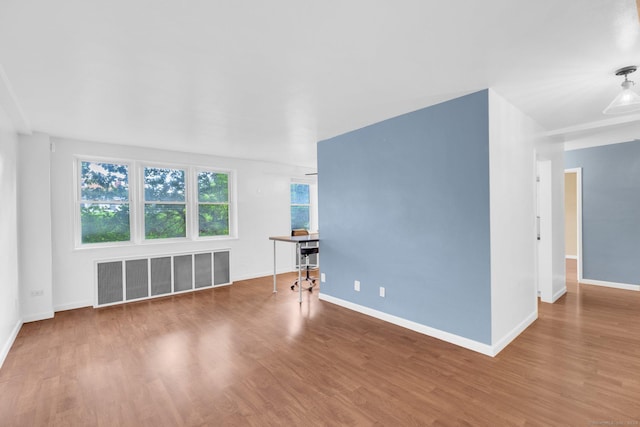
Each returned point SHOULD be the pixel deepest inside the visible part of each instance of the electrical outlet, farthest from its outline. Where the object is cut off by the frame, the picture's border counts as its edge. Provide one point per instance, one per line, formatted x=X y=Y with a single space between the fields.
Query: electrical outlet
x=37 y=293
x=356 y=286
x=382 y=291
x=323 y=278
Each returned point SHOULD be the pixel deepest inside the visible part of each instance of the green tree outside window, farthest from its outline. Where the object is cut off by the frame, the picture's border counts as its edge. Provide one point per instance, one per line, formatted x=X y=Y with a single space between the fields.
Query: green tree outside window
x=104 y=207
x=165 y=209
x=213 y=204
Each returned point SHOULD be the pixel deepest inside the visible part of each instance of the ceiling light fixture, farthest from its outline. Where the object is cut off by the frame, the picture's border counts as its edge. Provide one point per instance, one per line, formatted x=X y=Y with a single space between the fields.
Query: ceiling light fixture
x=627 y=100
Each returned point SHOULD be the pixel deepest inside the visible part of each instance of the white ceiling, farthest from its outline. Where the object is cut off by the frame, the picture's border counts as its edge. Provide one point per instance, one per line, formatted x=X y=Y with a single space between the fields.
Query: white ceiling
x=268 y=79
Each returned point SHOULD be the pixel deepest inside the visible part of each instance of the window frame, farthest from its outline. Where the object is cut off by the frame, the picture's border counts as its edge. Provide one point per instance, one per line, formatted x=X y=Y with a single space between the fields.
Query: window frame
x=142 y=203
x=78 y=202
x=137 y=202
x=230 y=203
x=310 y=205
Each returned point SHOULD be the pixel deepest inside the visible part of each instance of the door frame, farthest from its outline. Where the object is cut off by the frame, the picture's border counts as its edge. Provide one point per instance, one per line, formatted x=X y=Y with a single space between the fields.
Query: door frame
x=544 y=246
x=578 y=172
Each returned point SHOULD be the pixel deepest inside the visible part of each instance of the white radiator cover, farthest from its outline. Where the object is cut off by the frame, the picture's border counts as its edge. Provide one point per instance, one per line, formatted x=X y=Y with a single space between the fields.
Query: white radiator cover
x=137 y=278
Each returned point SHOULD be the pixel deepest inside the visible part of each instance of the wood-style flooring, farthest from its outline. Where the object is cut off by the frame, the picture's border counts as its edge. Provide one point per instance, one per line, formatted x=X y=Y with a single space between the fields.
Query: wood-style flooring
x=240 y=355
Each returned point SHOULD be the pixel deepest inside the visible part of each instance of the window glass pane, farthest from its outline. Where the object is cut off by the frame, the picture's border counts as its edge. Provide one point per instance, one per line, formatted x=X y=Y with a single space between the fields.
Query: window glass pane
x=163 y=221
x=164 y=185
x=300 y=217
x=213 y=187
x=104 y=222
x=213 y=220
x=300 y=194
x=104 y=182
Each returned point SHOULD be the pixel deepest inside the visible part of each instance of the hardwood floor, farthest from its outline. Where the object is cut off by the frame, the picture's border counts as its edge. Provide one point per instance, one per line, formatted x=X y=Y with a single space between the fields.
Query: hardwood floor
x=240 y=355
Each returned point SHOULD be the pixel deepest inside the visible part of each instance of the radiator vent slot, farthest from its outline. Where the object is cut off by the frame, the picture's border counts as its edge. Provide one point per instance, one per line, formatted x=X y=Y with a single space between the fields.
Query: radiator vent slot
x=220 y=271
x=161 y=275
x=123 y=280
x=182 y=273
x=203 y=272
x=110 y=279
x=137 y=278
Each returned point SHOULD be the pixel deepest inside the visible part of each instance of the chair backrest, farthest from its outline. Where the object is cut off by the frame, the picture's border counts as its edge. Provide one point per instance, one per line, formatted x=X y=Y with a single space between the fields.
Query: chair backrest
x=299 y=232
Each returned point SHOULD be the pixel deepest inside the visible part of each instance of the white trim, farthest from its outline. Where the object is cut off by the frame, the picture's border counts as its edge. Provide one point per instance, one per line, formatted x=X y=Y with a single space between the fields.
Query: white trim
x=9 y=102
x=626 y=286
x=38 y=316
x=263 y=274
x=9 y=343
x=513 y=334
x=544 y=169
x=558 y=294
x=73 y=306
x=578 y=172
x=579 y=218
x=571 y=257
x=467 y=343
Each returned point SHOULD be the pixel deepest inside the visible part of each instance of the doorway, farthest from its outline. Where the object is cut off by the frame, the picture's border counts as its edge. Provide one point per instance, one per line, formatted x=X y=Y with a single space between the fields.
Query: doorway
x=573 y=223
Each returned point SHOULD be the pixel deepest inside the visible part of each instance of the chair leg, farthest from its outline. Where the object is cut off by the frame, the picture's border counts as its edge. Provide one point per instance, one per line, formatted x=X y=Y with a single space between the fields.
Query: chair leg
x=306 y=278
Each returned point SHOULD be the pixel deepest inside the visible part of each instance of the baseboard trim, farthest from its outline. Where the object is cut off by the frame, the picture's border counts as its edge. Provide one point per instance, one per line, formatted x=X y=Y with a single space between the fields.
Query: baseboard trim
x=38 y=316
x=558 y=294
x=616 y=285
x=260 y=275
x=571 y=256
x=417 y=327
x=9 y=343
x=73 y=306
x=513 y=334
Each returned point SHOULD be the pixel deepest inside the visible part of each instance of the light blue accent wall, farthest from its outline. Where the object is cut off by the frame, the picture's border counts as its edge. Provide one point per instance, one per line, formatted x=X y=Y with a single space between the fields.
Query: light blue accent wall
x=610 y=211
x=404 y=204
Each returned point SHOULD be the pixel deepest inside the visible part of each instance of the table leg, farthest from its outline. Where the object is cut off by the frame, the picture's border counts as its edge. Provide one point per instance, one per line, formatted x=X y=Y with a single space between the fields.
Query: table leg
x=298 y=249
x=275 y=290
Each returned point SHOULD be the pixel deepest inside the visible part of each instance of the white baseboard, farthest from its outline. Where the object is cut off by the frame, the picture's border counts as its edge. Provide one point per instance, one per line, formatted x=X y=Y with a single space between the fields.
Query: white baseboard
x=9 y=343
x=625 y=286
x=38 y=316
x=513 y=334
x=261 y=274
x=73 y=306
x=571 y=257
x=558 y=294
x=467 y=343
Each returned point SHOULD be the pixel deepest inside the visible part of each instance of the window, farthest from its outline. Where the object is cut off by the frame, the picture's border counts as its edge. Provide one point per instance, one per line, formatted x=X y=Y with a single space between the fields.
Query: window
x=300 y=206
x=104 y=202
x=129 y=202
x=213 y=204
x=165 y=207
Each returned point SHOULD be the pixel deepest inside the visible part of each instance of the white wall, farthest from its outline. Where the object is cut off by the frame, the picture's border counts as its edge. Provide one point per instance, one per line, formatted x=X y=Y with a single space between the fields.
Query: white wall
x=263 y=211
x=512 y=218
x=35 y=228
x=554 y=286
x=10 y=319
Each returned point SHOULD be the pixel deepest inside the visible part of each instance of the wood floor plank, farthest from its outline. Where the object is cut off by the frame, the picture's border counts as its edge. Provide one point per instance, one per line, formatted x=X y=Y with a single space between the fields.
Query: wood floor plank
x=241 y=355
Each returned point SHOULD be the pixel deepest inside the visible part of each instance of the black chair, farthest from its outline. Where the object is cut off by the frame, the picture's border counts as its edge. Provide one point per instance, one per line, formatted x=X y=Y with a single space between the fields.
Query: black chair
x=305 y=252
